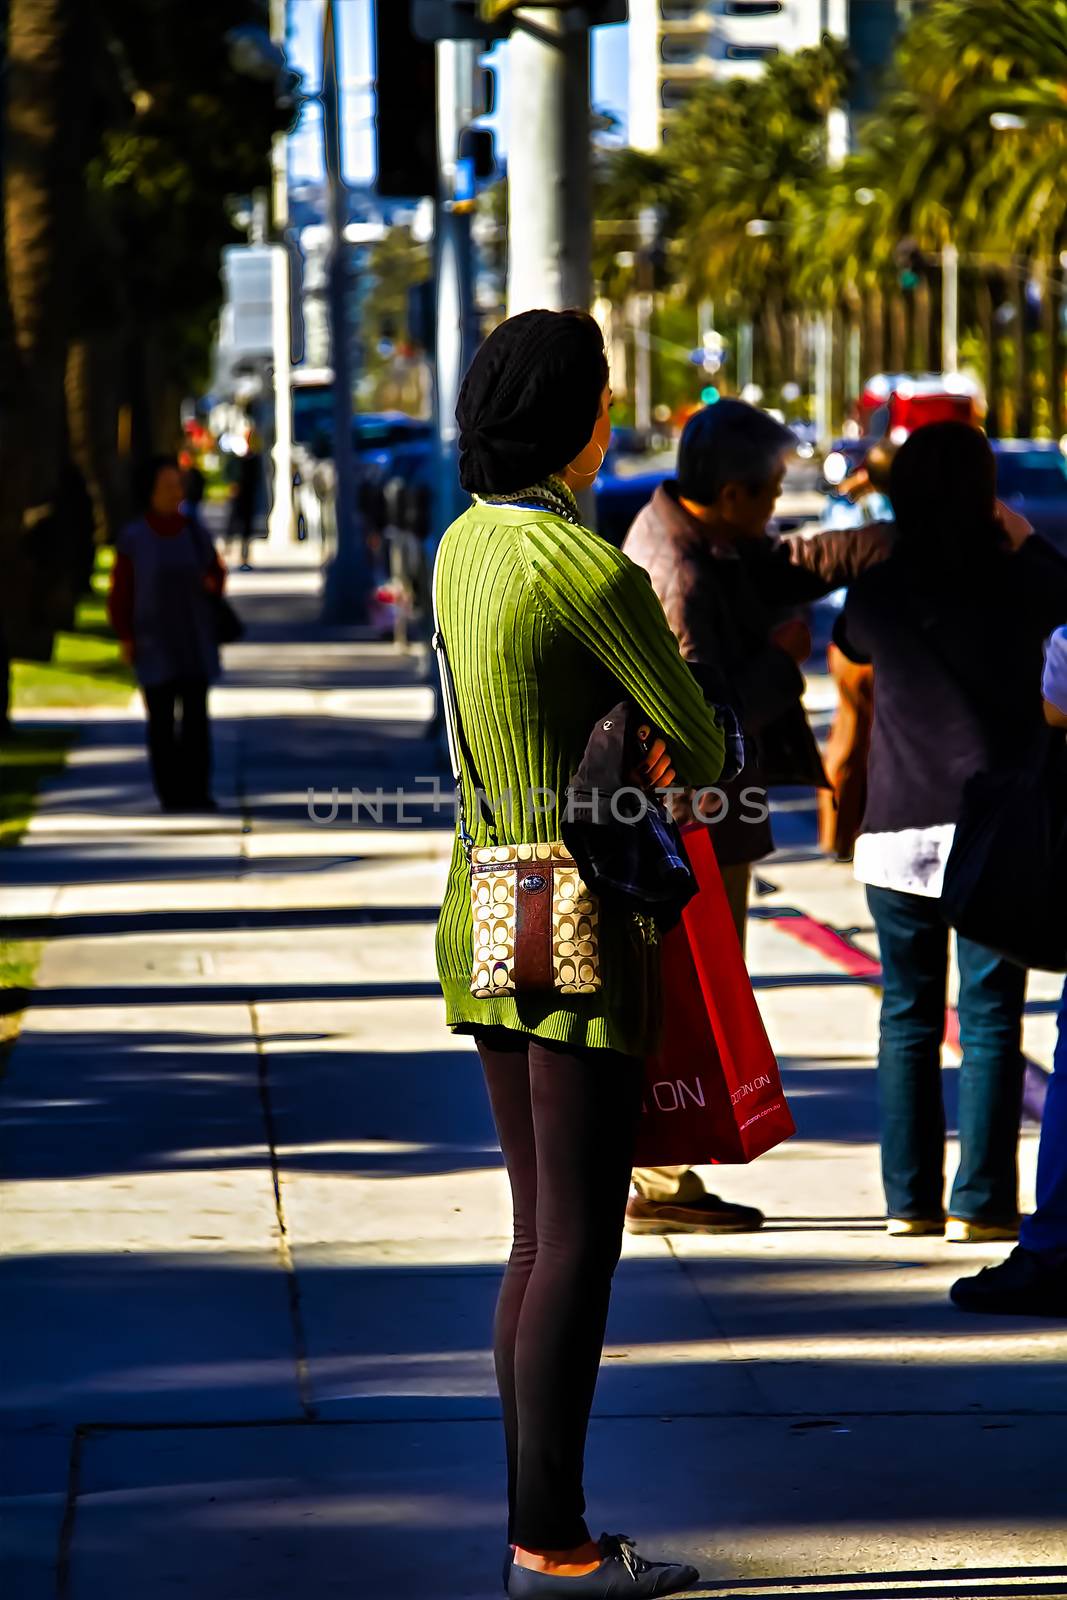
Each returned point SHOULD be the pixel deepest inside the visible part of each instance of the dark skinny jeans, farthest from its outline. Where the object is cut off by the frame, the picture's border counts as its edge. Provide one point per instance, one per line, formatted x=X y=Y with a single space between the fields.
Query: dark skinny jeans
x=567 y=1122
x=914 y=942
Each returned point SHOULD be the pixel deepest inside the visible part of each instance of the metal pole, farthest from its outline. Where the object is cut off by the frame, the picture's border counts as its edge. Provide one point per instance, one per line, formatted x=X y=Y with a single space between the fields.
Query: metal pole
x=280 y=514
x=347 y=583
x=549 y=200
x=744 y=356
x=950 y=309
x=456 y=320
x=823 y=377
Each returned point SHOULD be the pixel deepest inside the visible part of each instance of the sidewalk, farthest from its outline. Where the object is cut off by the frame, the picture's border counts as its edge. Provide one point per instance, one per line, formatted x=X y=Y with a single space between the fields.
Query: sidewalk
x=256 y=1217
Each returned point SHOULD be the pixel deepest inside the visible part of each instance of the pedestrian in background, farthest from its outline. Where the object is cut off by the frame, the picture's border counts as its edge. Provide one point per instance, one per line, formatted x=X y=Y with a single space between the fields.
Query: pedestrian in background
x=245 y=491
x=725 y=585
x=162 y=607
x=863 y=497
x=1033 y=1279
x=845 y=754
x=545 y=624
x=953 y=623
x=195 y=486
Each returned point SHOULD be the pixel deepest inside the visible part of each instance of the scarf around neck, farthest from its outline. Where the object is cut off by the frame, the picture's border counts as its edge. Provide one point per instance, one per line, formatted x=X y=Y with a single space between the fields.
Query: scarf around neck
x=551 y=494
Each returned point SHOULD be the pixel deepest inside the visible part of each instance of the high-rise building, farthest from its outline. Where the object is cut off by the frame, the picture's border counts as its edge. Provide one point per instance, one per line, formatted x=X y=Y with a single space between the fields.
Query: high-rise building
x=676 y=45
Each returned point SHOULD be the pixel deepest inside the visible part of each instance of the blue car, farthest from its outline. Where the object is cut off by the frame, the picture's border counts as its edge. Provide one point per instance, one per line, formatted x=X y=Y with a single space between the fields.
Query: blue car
x=618 y=500
x=1032 y=479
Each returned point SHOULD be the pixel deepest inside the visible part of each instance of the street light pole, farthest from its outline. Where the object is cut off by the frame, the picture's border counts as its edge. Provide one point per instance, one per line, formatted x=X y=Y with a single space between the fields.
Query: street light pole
x=280 y=515
x=347 y=582
x=456 y=319
x=950 y=309
x=549 y=201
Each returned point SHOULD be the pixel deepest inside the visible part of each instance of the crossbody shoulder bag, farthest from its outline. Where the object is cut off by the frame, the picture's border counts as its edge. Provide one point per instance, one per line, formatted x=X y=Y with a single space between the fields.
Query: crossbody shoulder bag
x=535 y=922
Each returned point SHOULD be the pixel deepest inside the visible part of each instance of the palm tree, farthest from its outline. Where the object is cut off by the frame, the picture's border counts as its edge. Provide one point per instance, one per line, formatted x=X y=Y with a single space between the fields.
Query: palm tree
x=742 y=157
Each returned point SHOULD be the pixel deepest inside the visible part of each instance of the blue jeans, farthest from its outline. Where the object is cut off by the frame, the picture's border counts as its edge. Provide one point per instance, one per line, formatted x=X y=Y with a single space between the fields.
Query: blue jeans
x=1046 y=1231
x=914 y=943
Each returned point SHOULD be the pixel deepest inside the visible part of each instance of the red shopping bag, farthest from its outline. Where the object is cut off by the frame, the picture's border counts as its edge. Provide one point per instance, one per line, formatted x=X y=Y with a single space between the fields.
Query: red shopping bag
x=713 y=1092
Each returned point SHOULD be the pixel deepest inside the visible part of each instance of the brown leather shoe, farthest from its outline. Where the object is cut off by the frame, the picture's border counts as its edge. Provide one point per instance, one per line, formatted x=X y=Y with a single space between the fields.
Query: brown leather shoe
x=709 y=1214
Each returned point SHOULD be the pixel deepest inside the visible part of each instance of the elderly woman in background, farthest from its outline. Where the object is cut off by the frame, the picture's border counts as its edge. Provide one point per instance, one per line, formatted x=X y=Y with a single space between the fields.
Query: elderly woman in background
x=164 y=587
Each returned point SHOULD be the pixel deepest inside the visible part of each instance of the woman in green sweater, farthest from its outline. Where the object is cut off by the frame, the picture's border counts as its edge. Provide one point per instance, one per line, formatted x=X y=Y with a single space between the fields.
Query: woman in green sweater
x=546 y=626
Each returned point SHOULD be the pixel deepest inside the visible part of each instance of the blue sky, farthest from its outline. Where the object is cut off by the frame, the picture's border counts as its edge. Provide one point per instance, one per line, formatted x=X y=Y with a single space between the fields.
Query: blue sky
x=356 y=43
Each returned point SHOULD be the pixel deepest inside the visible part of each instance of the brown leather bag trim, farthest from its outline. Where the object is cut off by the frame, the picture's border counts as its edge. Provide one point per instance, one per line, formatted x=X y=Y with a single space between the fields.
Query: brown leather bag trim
x=533 y=926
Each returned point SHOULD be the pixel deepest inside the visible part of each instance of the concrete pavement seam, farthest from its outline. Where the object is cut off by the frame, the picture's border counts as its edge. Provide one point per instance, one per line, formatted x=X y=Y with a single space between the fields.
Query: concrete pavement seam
x=88 y=1430
x=748 y=1377
x=70 y=1511
x=303 y=1370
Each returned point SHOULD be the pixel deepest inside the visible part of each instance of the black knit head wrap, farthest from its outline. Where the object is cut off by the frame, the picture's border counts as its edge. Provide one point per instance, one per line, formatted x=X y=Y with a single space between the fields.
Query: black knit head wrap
x=530 y=400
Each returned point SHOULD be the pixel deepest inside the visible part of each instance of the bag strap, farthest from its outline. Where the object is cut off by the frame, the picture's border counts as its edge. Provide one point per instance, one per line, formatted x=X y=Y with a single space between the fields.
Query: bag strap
x=457 y=744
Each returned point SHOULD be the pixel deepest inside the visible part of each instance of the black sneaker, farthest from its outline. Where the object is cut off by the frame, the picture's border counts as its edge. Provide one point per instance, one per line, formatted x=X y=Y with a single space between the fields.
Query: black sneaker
x=1024 y=1285
x=622 y=1573
x=708 y=1214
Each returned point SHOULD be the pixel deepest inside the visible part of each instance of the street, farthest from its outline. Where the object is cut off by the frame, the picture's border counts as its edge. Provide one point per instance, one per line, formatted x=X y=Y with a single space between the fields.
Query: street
x=255 y=1216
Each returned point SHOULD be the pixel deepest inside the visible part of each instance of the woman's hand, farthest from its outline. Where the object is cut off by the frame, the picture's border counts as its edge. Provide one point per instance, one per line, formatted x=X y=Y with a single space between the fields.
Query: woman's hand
x=656 y=769
x=1016 y=528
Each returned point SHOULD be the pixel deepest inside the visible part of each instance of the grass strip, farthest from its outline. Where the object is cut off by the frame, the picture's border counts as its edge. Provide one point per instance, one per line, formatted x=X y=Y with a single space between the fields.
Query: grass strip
x=30 y=756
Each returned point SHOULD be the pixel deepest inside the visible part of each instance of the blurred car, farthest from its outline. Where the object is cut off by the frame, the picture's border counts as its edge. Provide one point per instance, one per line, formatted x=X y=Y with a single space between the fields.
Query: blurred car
x=896 y=403
x=619 y=499
x=1032 y=478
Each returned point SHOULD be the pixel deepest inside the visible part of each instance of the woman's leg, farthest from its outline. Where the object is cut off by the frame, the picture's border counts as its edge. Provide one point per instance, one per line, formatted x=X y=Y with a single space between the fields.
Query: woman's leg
x=913 y=941
x=992 y=993
x=195 y=748
x=585 y=1107
x=162 y=749
x=507 y=1076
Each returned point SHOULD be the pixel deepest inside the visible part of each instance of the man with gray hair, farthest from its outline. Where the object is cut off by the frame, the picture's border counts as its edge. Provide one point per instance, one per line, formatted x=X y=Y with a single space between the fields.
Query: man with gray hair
x=728 y=590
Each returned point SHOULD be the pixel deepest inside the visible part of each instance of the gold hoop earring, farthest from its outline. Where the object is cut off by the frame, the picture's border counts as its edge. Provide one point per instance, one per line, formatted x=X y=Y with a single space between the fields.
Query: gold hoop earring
x=581 y=472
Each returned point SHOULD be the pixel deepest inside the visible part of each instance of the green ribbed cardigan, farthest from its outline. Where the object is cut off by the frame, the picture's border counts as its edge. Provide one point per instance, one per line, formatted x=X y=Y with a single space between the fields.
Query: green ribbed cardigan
x=547 y=626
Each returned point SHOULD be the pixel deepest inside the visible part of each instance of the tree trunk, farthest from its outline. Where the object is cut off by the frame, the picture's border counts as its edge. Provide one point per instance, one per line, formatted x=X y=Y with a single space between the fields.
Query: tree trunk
x=984 y=304
x=921 y=320
x=794 y=366
x=42 y=188
x=41 y=182
x=1021 y=363
x=773 y=349
x=873 y=357
x=92 y=418
x=1056 y=288
x=898 y=331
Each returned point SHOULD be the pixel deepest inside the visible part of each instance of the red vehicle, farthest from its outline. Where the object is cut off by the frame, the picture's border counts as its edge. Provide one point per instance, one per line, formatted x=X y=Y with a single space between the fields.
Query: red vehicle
x=896 y=403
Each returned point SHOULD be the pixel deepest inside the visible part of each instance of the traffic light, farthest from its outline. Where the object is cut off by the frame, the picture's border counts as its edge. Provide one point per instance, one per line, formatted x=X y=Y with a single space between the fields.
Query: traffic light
x=405 y=114
x=709 y=394
x=911 y=264
x=477 y=146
